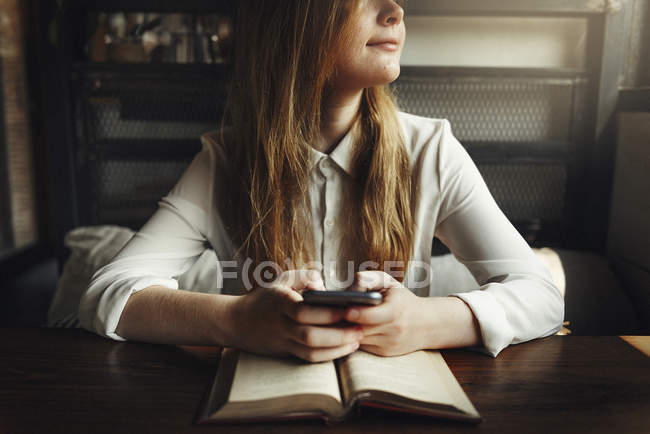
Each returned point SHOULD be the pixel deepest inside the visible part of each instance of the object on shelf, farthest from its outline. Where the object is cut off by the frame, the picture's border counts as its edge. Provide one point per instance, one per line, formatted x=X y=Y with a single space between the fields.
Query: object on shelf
x=159 y=38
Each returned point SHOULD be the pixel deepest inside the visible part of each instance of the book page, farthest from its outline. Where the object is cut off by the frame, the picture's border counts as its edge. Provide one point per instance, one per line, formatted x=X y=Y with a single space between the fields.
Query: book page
x=259 y=377
x=414 y=376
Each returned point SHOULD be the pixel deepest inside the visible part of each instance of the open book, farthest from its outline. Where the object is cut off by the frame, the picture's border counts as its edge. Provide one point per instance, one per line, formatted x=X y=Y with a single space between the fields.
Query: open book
x=251 y=388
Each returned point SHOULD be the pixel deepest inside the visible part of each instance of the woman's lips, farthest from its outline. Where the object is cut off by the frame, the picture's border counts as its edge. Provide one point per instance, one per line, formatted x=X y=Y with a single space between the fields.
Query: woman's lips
x=385 y=45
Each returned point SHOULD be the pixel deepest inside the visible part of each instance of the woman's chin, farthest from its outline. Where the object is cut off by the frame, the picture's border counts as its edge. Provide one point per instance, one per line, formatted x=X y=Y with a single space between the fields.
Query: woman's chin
x=389 y=74
x=378 y=75
x=394 y=73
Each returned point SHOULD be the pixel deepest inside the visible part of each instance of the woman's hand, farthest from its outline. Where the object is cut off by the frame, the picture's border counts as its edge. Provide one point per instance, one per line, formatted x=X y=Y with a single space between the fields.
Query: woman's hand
x=404 y=322
x=394 y=327
x=274 y=321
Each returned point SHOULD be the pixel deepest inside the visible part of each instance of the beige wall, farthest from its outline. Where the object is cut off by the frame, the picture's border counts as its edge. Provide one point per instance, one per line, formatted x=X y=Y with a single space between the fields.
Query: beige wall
x=495 y=41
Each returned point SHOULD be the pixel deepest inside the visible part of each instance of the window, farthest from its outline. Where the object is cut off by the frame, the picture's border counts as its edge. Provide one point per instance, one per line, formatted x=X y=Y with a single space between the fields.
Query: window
x=18 y=217
x=495 y=41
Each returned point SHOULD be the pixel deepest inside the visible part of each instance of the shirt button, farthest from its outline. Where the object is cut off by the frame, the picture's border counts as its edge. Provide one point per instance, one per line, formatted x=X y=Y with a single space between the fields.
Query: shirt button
x=329 y=222
x=326 y=166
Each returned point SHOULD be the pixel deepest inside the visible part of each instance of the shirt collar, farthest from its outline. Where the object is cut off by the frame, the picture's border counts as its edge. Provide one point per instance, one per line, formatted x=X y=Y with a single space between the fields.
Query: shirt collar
x=342 y=153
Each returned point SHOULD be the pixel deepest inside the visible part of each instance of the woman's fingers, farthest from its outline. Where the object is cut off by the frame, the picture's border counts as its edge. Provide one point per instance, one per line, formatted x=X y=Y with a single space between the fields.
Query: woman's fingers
x=290 y=303
x=375 y=349
x=378 y=340
x=300 y=280
x=374 y=330
x=286 y=296
x=372 y=280
x=317 y=337
x=323 y=354
x=306 y=314
x=381 y=314
x=317 y=343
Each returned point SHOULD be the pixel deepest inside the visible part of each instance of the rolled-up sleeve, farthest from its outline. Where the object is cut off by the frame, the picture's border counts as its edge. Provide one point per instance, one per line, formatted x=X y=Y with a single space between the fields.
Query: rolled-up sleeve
x=517 y=300
x=164 y=248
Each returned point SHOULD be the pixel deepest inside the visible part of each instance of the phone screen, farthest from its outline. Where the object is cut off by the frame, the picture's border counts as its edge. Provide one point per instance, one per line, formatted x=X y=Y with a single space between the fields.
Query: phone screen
x=342 y=298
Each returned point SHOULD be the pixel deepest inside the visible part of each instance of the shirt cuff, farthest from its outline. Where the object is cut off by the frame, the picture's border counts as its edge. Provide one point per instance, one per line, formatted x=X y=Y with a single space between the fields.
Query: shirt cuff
x=495 y=329
x=112 y=302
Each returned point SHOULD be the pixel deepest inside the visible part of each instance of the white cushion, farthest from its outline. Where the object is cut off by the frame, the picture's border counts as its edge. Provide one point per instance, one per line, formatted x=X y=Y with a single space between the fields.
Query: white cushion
x=451 y=276
x=91 y=248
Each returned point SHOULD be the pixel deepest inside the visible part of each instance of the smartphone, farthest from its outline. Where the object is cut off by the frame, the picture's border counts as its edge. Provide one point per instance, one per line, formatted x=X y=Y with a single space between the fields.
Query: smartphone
x=342 y=298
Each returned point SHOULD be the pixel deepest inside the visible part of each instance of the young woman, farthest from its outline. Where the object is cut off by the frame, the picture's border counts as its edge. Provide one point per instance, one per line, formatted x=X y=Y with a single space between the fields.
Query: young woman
x=318 y=174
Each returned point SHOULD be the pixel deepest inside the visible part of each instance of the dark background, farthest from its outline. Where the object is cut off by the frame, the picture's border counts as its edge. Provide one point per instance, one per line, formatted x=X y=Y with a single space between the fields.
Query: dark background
x=555 y=185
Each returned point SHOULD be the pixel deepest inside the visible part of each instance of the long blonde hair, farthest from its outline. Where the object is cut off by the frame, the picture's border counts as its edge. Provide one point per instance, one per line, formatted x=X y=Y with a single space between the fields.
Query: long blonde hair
x=284 y=57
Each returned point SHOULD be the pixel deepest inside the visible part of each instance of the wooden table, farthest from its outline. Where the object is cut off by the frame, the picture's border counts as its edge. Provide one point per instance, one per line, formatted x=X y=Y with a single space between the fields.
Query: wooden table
x=58 y=380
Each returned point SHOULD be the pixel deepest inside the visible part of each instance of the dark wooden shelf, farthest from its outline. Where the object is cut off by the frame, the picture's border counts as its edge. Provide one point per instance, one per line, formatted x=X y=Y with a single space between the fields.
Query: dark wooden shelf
x=408 y=71
x=414 y=7
x=153 y=70
x=198 y=6
x=507 y=7
x=530 y=152
x=136 y=149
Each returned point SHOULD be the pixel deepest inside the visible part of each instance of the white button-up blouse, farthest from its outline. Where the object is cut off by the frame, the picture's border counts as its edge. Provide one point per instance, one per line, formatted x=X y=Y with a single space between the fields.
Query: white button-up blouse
x=516 y=301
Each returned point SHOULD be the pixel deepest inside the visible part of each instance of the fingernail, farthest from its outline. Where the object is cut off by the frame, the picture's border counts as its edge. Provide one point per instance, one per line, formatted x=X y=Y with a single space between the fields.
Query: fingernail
x=353 y=314
x=359 y=335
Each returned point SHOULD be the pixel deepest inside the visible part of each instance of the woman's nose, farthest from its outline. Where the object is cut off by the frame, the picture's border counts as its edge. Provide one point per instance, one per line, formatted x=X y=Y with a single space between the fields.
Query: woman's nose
x=391 y=14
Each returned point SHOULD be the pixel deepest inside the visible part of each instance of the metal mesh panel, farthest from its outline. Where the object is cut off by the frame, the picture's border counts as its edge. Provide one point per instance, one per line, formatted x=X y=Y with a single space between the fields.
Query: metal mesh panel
x=161 y=113
x=136 y=135
x=493 y=109
x=127 y=191
x=127 y=129
x=527 y=192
